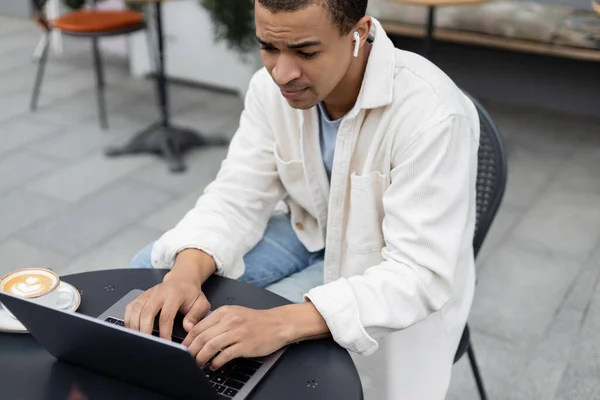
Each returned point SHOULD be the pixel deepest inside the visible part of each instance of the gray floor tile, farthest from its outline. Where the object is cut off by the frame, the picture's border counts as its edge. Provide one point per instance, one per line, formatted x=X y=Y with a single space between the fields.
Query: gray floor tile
x=14 y=105
x=519 y=291
x=528 y=176
x=225 y=103
x=181 y=99
x=70 y=96
x=120 y=99
x=85 y=225
x=580 y=380
x=20 y=57
x=548 y=359
x=19 y=131
x=219 y=117
x=171 y=214
x=202 y=165
x=80 y=179
x=13 y=42
x=142 y=109
x=184 y=98
x=67 y=109
x=78 y=141
x=22 y=208
x=14 y=26
x=499 y=363
x=462 y=384
x=132 y=88
x=580 y=173
x=19 y=168
x=18 y=79
x=116 y=252
x=203 y=123
x=502 y=226
x=587 y=129
x=547 y=134
x=581 y=291
x=564 y=222
x=16 y=254
x=21 y=66
x=68 y=85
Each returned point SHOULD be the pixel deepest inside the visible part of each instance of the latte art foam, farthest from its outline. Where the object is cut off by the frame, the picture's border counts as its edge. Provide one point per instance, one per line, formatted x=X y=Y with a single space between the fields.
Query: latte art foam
x=32 y=283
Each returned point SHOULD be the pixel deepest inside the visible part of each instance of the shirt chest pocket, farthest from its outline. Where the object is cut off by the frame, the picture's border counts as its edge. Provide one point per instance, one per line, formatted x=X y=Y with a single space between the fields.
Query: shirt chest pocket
x=365 y=214
x=292 y=176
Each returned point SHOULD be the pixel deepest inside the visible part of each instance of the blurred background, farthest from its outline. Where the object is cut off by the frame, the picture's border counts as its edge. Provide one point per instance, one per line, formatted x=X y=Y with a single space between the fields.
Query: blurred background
x=535 y=66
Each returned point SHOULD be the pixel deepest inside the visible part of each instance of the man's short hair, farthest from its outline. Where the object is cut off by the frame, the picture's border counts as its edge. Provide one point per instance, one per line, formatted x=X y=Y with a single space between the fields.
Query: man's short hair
x=344 y=13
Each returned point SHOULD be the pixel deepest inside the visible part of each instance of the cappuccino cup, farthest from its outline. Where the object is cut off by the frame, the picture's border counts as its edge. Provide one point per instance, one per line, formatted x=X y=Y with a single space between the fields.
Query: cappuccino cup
x=39 y=285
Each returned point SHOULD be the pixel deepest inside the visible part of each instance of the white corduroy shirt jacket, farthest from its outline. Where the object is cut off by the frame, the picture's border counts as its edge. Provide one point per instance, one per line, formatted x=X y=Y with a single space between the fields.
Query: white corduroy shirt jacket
x=396 y=220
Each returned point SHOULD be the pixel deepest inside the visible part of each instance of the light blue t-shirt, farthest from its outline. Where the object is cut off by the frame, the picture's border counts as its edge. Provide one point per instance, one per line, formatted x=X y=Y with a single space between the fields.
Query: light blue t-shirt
x=328 y=134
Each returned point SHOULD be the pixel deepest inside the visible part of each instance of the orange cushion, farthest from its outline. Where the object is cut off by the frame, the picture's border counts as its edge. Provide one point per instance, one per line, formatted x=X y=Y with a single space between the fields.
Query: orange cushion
x=90 y=21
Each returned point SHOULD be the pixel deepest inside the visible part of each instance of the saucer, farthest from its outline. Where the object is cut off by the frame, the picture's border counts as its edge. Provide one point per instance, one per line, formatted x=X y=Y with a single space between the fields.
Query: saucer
x=11 y=325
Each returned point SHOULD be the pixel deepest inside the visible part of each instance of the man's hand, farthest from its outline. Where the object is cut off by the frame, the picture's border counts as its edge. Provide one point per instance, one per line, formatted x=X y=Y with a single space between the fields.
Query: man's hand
x=168 y=298
x=235 y=332
x=232 y=332
x=179 y=292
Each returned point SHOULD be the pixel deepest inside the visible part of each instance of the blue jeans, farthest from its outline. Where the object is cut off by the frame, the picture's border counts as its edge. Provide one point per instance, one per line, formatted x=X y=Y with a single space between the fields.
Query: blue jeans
x=279 y=262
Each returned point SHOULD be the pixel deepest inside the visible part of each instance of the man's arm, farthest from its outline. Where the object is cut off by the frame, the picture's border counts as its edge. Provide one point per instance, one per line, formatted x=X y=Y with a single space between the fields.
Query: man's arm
x=231 y=215
x=427 y=226
x=231 y=332
x=302 y=322
x=428 y=220
x=192 y=264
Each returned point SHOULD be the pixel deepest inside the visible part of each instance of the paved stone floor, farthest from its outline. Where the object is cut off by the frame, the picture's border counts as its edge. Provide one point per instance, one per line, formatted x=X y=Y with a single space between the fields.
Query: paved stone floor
x=536 y=316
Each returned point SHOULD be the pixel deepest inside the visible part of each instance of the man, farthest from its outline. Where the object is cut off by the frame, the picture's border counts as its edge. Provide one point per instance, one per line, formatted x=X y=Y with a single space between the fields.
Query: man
x=393 y=205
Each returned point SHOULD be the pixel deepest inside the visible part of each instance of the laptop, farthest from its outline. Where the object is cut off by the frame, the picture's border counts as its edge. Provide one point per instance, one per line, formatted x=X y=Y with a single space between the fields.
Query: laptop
x=105 y=346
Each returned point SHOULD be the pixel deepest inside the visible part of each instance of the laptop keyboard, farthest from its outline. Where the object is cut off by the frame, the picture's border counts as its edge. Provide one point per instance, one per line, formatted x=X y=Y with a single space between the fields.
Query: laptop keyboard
x=231 y=377
x=120 y=322
x=227 y=380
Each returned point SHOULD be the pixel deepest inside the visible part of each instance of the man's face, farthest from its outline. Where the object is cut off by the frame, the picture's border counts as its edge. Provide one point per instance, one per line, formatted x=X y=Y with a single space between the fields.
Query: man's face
x=304 y=52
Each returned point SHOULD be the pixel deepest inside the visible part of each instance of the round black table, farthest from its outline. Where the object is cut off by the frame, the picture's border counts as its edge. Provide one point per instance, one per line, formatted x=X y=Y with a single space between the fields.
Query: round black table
x=314 y=370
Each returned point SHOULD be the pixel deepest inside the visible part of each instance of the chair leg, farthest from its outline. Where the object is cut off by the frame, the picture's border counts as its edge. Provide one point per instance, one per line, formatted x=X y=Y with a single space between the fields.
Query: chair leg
x=476 y=374
x=428 y=40
x=99 y=84
x=39 y=77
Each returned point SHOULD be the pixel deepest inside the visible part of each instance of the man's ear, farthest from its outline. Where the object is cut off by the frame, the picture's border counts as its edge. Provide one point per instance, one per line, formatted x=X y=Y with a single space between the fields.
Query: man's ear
x=363 y=27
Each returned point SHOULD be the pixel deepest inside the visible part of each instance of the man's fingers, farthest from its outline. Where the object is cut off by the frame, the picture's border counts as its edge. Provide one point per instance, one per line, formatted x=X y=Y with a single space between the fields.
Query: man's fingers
x=149 y=312
x=226 y=355
x=167 y=316
x=198 y=311
x=200 y=327
x=134 y=309
x=213 y=346
x=201 y=338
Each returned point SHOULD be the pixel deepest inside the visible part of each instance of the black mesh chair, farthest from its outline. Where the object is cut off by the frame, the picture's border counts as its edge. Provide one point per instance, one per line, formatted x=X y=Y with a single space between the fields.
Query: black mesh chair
x=491 y=181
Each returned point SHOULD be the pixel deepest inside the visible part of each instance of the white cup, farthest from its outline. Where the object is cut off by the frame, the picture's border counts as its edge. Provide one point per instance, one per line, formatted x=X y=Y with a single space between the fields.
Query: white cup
x=39 y=285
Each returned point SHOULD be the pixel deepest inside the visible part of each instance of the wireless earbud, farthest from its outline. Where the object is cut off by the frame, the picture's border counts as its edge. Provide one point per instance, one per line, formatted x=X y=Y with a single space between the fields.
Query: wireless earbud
x=356 y=43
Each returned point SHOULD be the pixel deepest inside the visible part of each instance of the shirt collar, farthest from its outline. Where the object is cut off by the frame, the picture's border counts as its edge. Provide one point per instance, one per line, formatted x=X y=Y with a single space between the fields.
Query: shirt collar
x=378 y=81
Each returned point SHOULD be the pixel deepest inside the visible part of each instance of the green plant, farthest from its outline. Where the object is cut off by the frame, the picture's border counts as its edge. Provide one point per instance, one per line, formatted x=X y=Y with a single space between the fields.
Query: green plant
x=233 y=22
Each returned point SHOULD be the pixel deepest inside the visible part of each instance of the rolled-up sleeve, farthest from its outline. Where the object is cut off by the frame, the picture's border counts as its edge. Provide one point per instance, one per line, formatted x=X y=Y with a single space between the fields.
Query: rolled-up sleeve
x=231 y=215
x=428 y=226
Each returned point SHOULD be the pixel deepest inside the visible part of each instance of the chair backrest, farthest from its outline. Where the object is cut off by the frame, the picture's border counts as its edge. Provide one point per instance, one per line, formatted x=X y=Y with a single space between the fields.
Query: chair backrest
x=39 y=14
x=38 y=6
x=491 y=175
